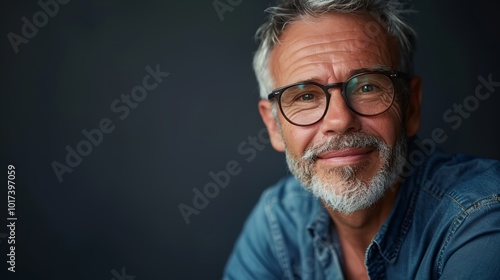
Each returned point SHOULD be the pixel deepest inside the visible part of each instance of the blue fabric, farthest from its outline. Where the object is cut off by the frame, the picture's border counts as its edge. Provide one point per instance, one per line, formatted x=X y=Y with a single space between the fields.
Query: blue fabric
x=445 y=225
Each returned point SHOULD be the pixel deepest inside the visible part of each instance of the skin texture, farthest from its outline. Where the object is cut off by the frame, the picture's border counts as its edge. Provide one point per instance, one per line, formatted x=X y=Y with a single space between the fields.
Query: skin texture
x=326 y=50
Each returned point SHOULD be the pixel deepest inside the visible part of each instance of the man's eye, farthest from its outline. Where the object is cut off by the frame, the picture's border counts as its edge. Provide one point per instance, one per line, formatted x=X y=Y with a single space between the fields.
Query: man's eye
x=367 y=88
x=306 y=97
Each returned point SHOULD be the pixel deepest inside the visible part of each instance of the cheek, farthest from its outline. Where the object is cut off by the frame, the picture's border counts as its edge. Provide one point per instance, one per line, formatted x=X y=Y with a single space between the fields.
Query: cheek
x=388 y=125
x=297 y=138
x=396 y=118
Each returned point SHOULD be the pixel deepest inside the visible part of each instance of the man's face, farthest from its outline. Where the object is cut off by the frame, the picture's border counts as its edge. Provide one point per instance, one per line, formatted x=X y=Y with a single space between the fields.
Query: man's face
x=347 y=159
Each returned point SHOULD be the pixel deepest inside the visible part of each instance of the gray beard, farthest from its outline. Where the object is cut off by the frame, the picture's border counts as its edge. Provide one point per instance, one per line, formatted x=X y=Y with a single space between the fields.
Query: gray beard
x=340 y=187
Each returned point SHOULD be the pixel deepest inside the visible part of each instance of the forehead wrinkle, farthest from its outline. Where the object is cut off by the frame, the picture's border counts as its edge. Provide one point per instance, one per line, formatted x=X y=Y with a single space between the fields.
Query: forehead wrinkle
x=308 y=50
x=322 y=71
x=325 y=62
x=330 y=57
x=327 y=44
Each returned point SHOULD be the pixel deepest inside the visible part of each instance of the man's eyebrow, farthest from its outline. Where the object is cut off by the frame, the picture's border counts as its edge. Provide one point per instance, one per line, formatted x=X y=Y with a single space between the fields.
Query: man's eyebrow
x=375 y=68
x=310 y=80
x=351 y=73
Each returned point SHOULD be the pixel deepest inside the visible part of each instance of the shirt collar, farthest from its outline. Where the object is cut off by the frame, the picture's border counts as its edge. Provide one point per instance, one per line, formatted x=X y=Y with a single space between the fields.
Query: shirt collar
x=319 y=224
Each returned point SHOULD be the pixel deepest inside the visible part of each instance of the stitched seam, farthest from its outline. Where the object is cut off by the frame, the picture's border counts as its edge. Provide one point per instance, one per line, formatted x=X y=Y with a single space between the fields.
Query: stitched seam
x=480 y=203
x=459 y=220
x=278 y=238
x=456 y=201
x=455 y=225
x=431 y=193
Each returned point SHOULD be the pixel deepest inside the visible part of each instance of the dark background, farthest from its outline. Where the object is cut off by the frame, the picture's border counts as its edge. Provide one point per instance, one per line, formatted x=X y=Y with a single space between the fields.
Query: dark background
x=119 y=207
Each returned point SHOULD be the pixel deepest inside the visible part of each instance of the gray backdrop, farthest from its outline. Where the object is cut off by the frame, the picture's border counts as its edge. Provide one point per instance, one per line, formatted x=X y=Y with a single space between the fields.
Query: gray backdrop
x=113 y=212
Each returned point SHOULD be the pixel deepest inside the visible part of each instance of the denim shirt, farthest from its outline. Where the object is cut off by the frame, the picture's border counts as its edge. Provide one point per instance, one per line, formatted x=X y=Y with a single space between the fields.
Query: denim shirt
x=445 y=224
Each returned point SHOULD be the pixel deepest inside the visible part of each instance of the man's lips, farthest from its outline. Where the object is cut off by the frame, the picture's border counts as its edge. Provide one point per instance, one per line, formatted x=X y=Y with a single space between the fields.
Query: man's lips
x=345 y=156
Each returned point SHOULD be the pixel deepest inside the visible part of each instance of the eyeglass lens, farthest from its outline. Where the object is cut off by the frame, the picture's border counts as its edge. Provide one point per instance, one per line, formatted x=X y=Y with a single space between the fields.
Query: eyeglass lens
x=366 y=94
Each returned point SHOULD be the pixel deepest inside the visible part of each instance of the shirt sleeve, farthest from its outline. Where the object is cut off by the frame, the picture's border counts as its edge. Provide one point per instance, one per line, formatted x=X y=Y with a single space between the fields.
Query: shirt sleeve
x=473 y=251
x=254 y=256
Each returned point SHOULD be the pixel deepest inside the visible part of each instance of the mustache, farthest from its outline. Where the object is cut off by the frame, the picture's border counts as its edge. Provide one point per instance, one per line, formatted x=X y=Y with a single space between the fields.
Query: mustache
x=344 y=141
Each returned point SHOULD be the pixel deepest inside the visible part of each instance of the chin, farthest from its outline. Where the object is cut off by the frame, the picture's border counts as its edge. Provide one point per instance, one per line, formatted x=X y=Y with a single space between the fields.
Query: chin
x=346 y=192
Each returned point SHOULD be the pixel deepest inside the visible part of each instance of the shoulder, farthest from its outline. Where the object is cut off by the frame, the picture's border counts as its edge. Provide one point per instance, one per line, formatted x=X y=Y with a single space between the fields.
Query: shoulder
x=287 y=205
x=456 y=213
x=269 y=236
x=283 y=208
x=462 y=178
x=290 y=196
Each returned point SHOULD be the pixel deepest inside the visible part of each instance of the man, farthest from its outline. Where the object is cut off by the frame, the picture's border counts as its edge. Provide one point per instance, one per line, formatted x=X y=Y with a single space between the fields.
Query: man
x=340 y=99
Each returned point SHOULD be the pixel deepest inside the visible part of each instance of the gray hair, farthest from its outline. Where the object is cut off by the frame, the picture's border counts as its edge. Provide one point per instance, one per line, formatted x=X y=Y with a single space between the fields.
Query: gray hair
x=388 y=13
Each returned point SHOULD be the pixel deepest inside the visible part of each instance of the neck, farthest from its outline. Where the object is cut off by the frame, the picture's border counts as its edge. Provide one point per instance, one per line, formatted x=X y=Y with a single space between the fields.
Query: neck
x=356 y=230
x=360 y=227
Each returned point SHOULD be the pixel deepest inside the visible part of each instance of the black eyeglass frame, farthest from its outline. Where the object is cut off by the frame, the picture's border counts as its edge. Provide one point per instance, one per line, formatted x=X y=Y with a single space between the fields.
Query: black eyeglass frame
x=392 y=75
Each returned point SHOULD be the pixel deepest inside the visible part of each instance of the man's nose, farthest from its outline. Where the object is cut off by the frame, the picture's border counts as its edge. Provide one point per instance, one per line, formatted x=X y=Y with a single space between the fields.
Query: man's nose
x=339 y=118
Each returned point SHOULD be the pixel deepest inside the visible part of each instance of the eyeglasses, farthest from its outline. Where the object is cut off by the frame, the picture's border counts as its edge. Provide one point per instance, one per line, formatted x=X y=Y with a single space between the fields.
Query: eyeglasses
x=366 y=94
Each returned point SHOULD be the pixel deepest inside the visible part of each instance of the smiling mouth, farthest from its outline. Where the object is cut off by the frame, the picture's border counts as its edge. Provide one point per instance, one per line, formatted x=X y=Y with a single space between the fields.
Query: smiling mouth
x=349 y=156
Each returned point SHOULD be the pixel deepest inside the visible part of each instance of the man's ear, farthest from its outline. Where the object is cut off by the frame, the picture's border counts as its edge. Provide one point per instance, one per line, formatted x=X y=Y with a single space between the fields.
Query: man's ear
x=413 y=110
x=265 y=110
